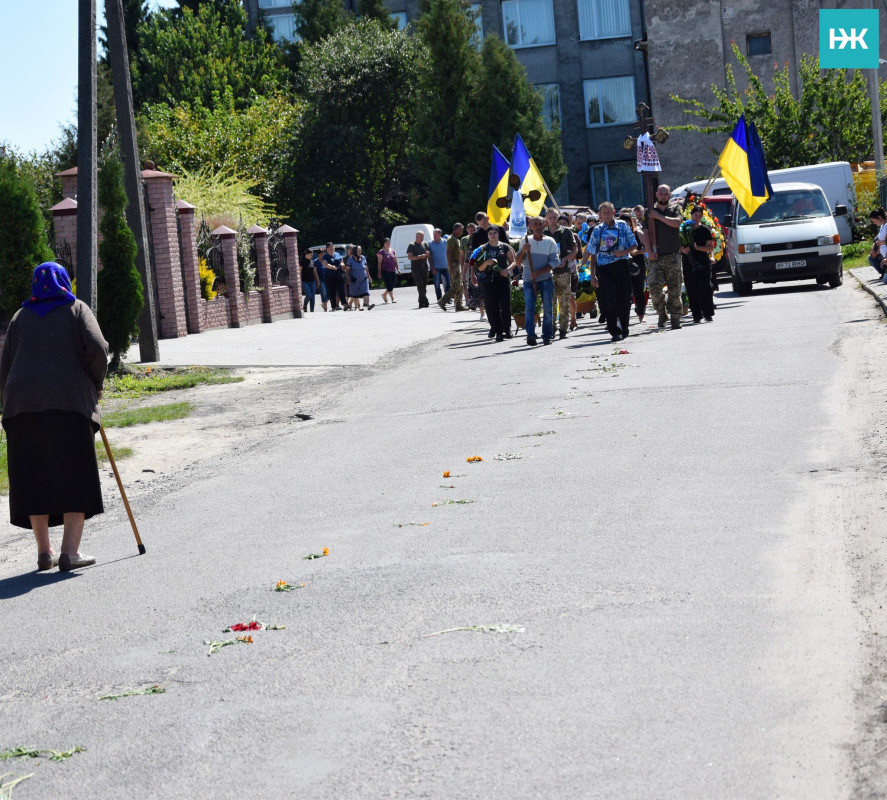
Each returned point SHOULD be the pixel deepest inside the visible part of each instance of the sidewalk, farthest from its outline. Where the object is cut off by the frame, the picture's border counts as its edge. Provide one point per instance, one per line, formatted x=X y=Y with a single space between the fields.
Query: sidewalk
x=870 y=280
x=319 y=339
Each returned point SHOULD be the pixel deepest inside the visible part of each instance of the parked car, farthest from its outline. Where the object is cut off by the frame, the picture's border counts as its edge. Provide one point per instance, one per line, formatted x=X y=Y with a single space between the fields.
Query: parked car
x=791 y=237
x=401 y=238
x=834 y=178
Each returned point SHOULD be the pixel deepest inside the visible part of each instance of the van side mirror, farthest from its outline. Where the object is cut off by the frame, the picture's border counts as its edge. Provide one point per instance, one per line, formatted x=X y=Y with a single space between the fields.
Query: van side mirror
x=728 y=221
x=840 y=211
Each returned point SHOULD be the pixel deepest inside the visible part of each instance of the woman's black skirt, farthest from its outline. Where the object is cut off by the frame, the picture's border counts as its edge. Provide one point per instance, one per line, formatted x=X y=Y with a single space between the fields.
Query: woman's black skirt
x=52 y=466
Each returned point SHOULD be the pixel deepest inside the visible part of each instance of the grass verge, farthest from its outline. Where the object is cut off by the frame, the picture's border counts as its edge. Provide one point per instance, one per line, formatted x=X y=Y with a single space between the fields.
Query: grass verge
x=136 y=382
x=141 y=416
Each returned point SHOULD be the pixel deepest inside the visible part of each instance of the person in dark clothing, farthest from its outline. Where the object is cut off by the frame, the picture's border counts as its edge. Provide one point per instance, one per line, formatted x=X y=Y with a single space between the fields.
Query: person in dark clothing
x=637 y=268
x=418 y=254
x=481 y=235
x=332 y=263
x=698 y=268
x=309 y=280
x=51 y=372
x=493 y=274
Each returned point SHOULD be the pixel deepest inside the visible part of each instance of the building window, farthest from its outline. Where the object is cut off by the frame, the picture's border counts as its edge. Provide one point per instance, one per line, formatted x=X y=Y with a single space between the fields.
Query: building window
x=283 y=26
x=758 y=44
x=551 y=104
x=528 y=23
x=602 y=19
x=400 y=17
x=477 y=10
x=609 y=101
x=275 y=3
x=620 y=183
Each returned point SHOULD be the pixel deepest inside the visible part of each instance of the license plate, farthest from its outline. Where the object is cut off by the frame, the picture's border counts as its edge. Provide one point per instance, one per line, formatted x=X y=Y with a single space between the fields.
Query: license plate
x=790 y=264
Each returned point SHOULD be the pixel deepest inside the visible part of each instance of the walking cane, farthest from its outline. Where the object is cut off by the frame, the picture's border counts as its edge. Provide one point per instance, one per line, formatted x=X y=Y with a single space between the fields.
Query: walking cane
x=132 y=521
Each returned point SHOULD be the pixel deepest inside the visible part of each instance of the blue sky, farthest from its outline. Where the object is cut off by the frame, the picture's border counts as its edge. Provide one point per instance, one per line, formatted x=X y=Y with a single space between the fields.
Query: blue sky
x=38 y=69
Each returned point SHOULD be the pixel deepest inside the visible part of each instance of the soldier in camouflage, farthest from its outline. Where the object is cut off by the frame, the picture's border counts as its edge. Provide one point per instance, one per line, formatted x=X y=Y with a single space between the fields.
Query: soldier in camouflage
x=663 y=250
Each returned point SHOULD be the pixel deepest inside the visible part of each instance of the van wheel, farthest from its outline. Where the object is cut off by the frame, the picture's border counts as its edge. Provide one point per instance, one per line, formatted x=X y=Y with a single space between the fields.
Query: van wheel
x=740 y=286
x=836 y=280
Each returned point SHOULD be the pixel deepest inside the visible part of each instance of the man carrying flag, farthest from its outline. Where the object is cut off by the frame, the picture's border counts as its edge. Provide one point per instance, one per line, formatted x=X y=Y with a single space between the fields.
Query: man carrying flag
x=743 y=166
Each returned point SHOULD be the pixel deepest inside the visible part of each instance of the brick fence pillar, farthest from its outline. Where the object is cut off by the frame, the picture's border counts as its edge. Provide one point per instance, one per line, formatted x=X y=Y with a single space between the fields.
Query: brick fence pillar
x=291 y=242
x=232 y=275
x=64 y=219
x=165 y=244
x=263 y=267
x=69 y=183
x=190 y=268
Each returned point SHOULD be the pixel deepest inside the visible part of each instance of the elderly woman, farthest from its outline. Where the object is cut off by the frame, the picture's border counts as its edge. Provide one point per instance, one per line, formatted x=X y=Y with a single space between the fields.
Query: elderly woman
x=358 y=280
x=51 y=371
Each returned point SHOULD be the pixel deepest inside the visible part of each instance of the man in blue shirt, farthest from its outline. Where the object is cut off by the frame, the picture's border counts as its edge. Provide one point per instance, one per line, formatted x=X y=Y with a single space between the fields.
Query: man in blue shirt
x=610 y=244
x=440 y=270
x=332 y=269
x=538 y=256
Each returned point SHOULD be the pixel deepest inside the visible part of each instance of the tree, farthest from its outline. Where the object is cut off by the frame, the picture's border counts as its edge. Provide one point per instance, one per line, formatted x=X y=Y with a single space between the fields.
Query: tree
x=119 y=285
x=472 y=101
x=342 y=175
x=204 y=58
x=376 y=9
x=813 y=127
x=23 y=243
x=315 y=20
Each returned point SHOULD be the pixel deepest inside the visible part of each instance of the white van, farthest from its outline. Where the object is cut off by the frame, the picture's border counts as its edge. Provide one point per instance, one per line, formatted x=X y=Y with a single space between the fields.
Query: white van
x=402 y=237
x=791 y=237
x=834 y=178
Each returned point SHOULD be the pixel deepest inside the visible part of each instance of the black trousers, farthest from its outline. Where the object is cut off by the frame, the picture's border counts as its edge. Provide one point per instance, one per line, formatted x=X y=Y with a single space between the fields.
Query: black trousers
x=615 y=280
x=497 y=304
x=638 y=286
x=702 y=303
x=420 y=278
x=331 y=279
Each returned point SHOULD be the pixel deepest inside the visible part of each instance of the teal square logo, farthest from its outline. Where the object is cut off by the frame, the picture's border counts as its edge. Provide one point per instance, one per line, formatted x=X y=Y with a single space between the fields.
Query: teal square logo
x=848 y=38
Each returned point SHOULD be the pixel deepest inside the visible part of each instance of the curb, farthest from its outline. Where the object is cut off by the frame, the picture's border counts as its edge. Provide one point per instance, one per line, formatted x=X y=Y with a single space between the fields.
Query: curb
x=870 y=280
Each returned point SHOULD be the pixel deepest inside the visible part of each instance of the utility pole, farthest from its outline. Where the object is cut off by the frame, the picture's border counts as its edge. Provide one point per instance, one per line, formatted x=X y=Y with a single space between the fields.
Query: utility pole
x=87 y=205
x=129 y=151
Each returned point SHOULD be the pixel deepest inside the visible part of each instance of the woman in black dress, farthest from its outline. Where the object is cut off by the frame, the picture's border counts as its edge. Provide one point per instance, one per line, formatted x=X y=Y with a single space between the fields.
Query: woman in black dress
x=51 y=372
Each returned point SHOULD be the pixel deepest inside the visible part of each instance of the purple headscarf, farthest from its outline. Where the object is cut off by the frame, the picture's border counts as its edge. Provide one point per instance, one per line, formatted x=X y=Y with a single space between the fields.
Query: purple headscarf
x=50 y=288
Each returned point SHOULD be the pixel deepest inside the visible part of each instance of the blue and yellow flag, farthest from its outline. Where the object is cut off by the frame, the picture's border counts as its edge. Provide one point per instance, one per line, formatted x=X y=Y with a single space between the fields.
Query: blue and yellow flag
x=498 y=188
x=523 y=166
x=744 y=168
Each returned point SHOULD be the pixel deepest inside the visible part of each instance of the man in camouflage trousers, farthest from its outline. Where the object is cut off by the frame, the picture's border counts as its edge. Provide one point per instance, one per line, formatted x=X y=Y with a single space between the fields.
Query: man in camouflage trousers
x=663 y=250
x=568 y=247
x=454 y=263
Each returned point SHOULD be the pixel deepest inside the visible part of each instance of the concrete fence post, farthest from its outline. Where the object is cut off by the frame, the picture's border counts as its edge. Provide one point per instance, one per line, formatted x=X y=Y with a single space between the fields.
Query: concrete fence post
x=263 y=267
x=190 y=268
x=291 y=242
x=228 y=239
x=165 y=244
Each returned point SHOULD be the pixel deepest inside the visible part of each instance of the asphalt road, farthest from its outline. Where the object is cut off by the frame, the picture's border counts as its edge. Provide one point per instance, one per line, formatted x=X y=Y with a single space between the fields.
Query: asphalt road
x=687 y=536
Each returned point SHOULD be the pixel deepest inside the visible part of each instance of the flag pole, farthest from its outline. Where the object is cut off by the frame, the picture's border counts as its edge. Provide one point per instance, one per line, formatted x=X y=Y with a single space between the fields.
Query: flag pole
x=711 y=179
x=551 y=195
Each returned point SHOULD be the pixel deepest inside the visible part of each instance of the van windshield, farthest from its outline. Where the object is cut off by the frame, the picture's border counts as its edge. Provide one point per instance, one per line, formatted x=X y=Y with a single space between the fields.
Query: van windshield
x=787 y=206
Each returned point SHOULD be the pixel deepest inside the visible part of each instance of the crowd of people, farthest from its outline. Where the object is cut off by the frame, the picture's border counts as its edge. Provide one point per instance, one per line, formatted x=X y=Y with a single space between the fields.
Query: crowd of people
x=626 y=256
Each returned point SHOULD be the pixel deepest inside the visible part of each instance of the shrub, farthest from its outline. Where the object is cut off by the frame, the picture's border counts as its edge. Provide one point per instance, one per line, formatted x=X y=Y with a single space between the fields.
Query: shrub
x=222 y=197
x=23 y=243
x=119 y=286
x=207 y=280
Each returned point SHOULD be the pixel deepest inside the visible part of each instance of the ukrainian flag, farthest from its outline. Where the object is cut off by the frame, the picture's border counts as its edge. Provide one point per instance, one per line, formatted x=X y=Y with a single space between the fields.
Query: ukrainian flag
x=744 y=168
x=498 y=188
x=525 y=168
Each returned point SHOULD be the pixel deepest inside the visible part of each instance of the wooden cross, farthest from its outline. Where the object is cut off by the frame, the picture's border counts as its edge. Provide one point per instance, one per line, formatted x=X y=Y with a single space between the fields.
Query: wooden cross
x=646 y=124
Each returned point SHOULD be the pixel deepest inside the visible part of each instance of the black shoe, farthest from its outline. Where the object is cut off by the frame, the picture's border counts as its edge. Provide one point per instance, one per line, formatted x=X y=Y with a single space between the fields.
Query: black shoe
x=500 y=337
x=491 y=334
x=697 y=320
x=546 y=341
x=708 y=319
x=562 y=335
x=615 y=338
x=625 y=335
x=508 y=335
x=531 y=340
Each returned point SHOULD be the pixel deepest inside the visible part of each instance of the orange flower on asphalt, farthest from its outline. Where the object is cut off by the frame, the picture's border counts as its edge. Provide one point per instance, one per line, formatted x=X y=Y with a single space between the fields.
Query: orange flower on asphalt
x=245 y=639
x=472 y=459
x=326 y=551
x=447 y=474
